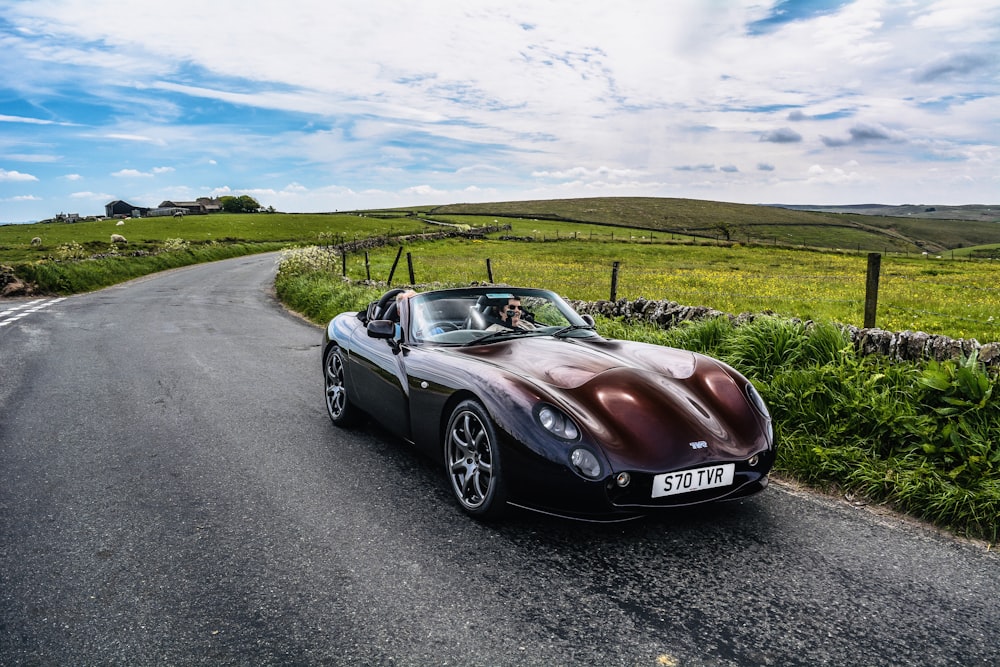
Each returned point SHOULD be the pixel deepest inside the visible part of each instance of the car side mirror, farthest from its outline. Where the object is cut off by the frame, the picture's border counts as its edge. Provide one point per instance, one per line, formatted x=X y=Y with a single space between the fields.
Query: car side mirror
x=588 y=318
x=386 y=330
x=382 y=329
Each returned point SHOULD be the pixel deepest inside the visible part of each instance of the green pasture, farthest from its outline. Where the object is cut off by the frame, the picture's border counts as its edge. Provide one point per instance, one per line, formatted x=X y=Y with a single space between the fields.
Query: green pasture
x=740 y=222
x=937 y=293
x=150 y=233
x=831 y=235
x=960 y=299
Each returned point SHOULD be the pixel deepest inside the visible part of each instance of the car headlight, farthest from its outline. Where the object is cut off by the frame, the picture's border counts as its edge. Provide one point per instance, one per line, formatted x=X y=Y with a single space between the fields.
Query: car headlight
x=757 y=401
x=556 y=423
x=585 y=461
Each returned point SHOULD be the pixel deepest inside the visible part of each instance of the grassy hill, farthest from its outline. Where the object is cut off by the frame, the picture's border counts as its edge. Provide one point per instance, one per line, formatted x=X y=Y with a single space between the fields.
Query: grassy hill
x=755 y=223
x=974 y=212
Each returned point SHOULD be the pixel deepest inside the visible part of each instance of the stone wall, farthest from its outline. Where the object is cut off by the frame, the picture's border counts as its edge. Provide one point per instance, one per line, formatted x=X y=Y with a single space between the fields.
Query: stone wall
x=900 y=346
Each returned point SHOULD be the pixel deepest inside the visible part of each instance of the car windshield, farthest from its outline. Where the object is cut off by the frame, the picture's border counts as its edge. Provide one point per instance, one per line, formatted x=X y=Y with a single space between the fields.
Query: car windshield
x=484 y=315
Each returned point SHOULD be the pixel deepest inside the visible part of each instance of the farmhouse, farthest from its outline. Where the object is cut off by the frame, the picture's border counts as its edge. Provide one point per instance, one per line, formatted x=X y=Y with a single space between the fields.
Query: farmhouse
x=190 y=207
x=200 y=206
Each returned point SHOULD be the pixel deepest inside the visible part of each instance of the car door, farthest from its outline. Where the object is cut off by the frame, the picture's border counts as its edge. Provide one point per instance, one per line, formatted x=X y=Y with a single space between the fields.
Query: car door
x=379 y=382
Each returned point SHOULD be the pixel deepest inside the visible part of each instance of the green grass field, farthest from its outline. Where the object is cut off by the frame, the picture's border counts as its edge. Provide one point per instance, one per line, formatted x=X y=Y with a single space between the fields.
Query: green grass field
x=740 y=222
x=960 y=299
x=150 y=233
x=946 y=296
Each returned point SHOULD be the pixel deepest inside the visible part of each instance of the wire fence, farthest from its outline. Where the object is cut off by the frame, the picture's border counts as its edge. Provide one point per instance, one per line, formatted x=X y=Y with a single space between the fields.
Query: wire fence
x=956 y=298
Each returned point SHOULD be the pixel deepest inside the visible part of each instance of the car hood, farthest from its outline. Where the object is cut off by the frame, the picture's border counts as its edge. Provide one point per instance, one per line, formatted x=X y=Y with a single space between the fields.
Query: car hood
x=568 y=363
x=648 y=407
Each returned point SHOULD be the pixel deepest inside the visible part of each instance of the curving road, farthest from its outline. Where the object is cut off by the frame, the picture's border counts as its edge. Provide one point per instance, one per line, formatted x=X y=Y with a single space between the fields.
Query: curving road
x=172 y=492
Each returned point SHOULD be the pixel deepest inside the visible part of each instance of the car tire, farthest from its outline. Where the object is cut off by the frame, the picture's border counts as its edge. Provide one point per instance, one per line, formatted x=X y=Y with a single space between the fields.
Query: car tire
x=472 y=461
x=338 y=399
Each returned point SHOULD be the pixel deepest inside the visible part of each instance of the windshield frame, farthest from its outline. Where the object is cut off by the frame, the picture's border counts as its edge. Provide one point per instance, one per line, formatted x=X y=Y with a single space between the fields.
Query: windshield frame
x=573 y=326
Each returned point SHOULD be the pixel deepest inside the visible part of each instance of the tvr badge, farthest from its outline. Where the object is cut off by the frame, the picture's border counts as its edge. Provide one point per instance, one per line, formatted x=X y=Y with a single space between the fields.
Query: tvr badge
x=700 y=444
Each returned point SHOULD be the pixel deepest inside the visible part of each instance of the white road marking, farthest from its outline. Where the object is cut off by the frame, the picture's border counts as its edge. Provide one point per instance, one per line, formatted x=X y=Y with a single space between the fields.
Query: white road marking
x=15 y=313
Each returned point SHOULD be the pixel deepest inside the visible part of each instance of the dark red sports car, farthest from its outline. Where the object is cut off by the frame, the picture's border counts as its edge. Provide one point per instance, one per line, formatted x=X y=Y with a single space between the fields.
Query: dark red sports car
x=525 y=404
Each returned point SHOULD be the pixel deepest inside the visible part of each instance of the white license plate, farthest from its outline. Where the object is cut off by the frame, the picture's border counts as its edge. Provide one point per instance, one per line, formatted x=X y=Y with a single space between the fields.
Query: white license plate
x=699 y=479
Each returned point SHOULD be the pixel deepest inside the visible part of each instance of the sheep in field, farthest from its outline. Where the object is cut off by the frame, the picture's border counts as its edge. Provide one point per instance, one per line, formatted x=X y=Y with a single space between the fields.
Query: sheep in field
x=36 y=241
x=120 y=223
x=118 y=238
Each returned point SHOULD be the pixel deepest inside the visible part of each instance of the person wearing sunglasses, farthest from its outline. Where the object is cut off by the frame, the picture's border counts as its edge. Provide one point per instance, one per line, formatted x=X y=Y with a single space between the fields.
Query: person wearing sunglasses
x=510 y=316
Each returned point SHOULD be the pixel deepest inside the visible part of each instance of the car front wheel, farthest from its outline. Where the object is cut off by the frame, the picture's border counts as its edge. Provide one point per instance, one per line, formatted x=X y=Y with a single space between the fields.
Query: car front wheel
x=472 y=457
x=338 y=401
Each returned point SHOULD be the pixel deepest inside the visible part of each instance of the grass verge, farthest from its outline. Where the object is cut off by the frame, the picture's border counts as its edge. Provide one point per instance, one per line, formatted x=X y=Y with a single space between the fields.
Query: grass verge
x=84 y=275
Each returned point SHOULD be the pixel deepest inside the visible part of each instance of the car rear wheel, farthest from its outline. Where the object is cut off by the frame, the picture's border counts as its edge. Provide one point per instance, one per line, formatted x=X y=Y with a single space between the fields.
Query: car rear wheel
x=472 y=457
x=338 y=401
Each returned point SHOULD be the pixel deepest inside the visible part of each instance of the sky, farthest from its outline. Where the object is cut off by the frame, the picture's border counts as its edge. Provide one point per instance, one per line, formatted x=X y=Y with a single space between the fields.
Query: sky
x=332 y=105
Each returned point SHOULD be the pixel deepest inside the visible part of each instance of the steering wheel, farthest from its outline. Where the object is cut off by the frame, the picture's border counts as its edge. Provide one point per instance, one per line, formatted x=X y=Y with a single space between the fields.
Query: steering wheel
x=383 y=303
x=444 y=325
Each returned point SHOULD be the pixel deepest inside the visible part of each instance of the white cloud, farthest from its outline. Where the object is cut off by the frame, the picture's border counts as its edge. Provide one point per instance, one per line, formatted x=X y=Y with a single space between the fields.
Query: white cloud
x=92 y=196
x=136 y=173
x=30 y=121
x=16 y=176
x=134 y=137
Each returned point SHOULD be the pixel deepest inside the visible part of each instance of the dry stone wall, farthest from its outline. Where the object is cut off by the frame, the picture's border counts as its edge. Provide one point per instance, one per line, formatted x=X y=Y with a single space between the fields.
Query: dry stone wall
x=900 y=346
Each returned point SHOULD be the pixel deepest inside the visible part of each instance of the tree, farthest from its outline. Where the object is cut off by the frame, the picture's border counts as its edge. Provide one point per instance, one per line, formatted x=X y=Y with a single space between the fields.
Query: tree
x=241 y=204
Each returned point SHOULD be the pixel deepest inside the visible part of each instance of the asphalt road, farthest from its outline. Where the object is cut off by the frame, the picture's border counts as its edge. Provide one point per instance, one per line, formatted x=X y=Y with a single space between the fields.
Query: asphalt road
x=172 y=492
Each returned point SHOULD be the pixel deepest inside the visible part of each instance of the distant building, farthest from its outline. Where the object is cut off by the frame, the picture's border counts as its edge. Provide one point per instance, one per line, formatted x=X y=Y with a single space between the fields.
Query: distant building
x=167 y=211
x=200 y=206
x=190 y=207
x=122 y=209
x=212 y=205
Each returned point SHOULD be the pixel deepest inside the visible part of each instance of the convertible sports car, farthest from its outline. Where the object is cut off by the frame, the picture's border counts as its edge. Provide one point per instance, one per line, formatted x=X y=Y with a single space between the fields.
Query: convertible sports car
x=525 y=404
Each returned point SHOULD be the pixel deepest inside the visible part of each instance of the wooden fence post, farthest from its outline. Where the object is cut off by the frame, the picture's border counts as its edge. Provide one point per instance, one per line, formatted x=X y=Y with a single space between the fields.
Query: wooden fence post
x=871 y=289
x=392 y=271
x=368 y=267
x=343 y=263
x=409 y=264
x=489 y=270
x=614 y=281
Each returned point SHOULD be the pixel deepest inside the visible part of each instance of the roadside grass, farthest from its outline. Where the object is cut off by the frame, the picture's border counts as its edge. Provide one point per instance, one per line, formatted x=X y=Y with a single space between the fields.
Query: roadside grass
x=84 y=275
x=79 y=257
x=921 y=438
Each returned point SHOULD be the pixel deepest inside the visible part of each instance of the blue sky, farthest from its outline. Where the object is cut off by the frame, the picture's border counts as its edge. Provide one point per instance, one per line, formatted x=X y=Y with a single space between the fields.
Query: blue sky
x=330 y=105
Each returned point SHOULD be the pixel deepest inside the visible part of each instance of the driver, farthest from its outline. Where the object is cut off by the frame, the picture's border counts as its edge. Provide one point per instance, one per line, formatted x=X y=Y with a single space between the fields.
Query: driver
x=508 y=316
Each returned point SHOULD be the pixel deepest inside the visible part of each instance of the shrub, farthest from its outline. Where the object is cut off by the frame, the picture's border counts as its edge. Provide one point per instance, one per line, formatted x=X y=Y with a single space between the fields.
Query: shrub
x=174 y=245
x=296 y=262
